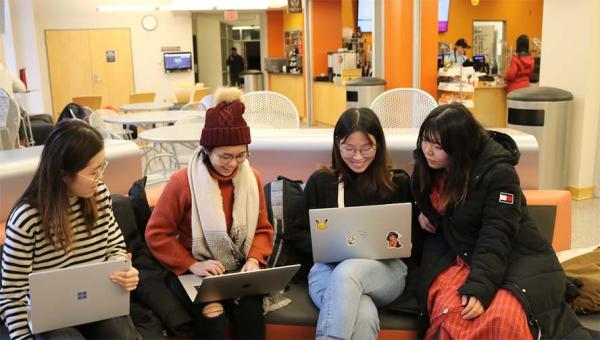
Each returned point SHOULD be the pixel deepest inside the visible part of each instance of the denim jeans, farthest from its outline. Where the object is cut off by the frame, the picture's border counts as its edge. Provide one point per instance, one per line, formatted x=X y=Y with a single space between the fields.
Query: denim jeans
x=348 y=294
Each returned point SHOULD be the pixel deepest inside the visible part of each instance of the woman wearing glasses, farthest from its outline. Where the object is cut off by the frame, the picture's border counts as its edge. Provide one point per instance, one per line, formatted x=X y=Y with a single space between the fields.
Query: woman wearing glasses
x=63 y=218
x=211 y=218
x=348 y=293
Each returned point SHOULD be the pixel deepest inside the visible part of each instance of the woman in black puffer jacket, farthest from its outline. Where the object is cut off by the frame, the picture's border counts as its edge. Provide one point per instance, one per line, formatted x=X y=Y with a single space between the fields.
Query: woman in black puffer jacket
x=487 y=271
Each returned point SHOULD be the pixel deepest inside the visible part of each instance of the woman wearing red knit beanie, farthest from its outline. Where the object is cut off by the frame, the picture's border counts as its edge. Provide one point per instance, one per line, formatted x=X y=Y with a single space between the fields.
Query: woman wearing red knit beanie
x=211 y=218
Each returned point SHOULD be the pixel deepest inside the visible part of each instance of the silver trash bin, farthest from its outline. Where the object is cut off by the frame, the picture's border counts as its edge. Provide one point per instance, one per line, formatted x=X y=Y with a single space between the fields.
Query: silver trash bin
x=544 y=113
x=361 y=92
x=253 y=80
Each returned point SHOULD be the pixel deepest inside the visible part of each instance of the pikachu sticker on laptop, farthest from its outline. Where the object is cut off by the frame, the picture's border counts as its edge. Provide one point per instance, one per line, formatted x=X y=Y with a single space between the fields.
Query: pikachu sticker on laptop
x=321 y=225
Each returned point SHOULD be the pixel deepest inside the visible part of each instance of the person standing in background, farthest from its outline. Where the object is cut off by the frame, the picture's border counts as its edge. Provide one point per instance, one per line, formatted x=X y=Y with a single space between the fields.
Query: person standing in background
x=521 y=66
x=459 y=55
x=236 y=65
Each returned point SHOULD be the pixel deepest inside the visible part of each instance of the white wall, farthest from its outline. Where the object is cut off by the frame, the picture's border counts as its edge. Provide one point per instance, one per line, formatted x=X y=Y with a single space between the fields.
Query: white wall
x=174 y=29
x=208 y=40
x=570 y=49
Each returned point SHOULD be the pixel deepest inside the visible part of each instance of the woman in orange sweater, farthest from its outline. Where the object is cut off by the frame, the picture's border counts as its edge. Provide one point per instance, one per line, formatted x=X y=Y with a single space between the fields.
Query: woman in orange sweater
x=211 y=218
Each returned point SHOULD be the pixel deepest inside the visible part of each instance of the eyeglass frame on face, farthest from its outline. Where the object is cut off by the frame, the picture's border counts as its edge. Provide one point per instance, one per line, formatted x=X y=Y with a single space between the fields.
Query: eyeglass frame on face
x=239 y=159
x=101 y=171
x=364 y=151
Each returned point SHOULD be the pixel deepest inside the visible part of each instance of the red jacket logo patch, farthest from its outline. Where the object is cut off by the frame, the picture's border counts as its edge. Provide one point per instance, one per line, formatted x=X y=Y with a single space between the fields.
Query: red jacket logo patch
x=506 y=198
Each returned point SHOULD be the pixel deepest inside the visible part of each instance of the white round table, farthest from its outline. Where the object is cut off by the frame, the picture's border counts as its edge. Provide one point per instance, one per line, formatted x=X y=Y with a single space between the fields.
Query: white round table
x=150 y=106
x=144 y=119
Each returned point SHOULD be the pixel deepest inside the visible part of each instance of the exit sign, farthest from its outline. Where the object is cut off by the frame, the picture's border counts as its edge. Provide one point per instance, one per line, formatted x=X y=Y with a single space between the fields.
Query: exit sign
x=230 y=15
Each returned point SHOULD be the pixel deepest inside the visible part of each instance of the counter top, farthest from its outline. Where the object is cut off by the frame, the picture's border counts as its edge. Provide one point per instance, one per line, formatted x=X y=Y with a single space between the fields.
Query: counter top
x=284 y=73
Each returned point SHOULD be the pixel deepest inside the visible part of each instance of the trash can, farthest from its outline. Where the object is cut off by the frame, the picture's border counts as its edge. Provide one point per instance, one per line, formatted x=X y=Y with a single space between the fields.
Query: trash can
x=544 y=113
x=361 y=92
x=253 y=80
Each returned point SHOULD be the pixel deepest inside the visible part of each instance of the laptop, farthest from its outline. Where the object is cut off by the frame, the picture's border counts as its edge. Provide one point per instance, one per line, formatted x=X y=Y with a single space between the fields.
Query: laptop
x=367 y=232
x=76 y=295
x=234 y=285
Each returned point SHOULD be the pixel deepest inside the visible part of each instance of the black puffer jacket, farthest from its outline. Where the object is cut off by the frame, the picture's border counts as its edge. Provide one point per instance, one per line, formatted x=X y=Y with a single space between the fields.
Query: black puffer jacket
x=493 y=233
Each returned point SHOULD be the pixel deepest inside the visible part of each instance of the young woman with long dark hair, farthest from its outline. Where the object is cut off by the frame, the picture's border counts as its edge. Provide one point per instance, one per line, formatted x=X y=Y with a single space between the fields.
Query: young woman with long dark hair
x=486 y=270
x=64 y=218
x=348 y=293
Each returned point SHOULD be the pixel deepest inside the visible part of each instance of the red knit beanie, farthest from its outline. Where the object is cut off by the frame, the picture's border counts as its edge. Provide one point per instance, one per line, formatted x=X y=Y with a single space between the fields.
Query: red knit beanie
x=224 y=125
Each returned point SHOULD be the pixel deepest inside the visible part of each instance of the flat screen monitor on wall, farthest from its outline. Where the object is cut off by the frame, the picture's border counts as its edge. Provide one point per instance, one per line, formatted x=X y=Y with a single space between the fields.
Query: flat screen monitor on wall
x=180 y=61
x=443 y=13
x=365 y=15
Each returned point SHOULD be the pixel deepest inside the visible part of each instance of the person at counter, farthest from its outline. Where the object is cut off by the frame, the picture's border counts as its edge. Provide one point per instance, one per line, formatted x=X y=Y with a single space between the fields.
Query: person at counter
x=236 y=65
x=521 y=66
x=458 y=56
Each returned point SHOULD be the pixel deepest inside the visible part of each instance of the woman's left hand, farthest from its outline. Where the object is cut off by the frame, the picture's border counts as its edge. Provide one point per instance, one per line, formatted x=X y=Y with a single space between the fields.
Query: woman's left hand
x=127 y=278
x=251 y=265
x=473 y=307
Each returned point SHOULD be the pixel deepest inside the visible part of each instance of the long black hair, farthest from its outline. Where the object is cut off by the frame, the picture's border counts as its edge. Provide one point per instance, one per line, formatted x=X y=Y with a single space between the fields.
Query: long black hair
x=376 y=179
x=462 y=137
x=68 y=150
x=523 y=45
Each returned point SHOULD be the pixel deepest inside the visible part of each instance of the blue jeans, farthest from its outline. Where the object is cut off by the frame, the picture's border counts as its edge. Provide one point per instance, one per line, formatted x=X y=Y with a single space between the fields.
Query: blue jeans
x=120 y=327
x=348 y=294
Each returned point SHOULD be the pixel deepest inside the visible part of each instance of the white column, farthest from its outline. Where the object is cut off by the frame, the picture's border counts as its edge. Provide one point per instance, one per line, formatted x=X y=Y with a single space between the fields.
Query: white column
x=570 y=50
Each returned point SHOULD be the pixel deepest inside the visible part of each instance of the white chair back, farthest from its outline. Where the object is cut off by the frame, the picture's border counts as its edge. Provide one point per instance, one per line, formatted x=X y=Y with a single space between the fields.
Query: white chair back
x=192 y=119
x=403 y=107
x=206 y=102
x=265 y=109
x=9 y=122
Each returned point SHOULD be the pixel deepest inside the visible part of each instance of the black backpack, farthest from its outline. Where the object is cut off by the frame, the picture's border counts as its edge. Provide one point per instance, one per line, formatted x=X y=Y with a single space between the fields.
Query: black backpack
x=285 y=207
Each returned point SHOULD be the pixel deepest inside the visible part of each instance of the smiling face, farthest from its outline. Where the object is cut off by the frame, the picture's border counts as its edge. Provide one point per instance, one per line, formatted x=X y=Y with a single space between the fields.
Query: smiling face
x=85 y=182
x=358 y=151
x=436 y=157
x=225 y=159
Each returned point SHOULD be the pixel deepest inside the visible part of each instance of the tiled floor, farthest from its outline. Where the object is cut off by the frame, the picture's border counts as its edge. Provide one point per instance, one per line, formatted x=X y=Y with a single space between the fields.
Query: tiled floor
x=586 y=223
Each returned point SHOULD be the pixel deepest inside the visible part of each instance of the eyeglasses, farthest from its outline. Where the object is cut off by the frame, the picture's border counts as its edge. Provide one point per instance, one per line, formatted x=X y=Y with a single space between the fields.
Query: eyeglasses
x=98 y=175
x=365 y=151
x=227 y=157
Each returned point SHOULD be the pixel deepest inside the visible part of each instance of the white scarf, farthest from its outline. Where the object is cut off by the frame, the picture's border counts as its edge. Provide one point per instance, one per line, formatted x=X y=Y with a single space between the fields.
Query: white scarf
x=210 y=239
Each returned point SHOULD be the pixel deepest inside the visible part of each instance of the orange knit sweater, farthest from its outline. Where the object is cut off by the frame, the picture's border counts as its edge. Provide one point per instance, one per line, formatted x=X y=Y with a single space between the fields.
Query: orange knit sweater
x=169 y=231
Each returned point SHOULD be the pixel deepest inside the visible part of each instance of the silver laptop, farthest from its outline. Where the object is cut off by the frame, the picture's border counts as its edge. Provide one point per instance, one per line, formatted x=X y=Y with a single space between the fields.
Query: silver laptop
x=367 y=232
x=234 y=285
x=76 y=295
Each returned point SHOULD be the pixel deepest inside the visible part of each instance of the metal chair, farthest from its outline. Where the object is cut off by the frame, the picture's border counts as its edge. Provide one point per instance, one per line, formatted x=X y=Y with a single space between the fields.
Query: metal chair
x=10 y=119
x=143 y=97
x=266 y=109
x=403 y=107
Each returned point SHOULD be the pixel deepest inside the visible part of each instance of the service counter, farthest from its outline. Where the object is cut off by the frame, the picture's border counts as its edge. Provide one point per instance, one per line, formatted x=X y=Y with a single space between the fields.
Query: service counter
x=290 y=85
x=329 y=102
x=490 y=106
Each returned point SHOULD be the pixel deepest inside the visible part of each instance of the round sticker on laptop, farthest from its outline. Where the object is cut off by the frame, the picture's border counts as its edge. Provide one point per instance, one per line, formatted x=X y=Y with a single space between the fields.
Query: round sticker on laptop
x=393 y=239
x=351 y=239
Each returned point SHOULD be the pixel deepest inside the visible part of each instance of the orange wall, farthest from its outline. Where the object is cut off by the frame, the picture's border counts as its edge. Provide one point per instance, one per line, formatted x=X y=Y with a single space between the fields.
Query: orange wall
x=521 y=16
x=349 y=8
x=429 y=36
x=327 y=30
x=275 y=34
x=398 y=43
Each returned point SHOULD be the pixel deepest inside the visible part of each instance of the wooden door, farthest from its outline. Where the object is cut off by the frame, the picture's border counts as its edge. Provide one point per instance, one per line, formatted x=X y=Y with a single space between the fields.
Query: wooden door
x=112 y=67
x=69 y=66
x=89 y=62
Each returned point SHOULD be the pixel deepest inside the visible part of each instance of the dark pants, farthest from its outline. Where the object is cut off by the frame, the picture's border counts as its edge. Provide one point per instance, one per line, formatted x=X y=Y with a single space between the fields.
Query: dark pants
x=116 y=328
x=234 y=79
x=245 y=315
